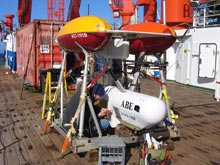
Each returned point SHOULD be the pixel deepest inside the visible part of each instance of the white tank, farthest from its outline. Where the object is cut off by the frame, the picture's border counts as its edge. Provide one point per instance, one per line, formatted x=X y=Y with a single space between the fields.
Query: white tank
x=135 y=110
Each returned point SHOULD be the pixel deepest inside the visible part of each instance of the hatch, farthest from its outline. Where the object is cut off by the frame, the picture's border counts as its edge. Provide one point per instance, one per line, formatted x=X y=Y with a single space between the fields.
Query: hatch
x=207 y=60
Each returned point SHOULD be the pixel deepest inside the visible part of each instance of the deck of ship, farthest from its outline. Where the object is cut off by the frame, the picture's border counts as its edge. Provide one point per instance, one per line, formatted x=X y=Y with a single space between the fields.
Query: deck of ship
x=22 y=140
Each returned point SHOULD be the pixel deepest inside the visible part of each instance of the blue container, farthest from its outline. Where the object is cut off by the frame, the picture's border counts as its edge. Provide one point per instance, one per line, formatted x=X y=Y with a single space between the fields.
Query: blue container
x=2 y=55
x=2 y=59
x=99 y=64
x=156 y=73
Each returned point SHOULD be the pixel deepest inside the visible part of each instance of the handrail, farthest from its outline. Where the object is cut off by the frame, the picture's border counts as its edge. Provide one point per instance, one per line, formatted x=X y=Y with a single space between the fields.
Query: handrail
x=207 y=14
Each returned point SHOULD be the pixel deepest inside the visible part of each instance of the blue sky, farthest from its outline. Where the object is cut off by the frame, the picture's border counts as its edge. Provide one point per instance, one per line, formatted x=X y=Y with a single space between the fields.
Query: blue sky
x=39 y=9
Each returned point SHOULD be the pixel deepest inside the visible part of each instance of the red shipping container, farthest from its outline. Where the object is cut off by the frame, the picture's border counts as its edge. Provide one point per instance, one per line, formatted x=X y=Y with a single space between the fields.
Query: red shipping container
x=37 y=49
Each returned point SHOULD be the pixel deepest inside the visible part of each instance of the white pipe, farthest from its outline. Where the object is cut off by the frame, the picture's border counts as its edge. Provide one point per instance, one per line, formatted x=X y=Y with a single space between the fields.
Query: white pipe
x=164 y=12
x=60 y=83
x=62 y=68
x=51 y=45
x=134 y=81
x=94 y=116
x=204 y=20
x=217 y=79
x=61 y=102
x=83 y=91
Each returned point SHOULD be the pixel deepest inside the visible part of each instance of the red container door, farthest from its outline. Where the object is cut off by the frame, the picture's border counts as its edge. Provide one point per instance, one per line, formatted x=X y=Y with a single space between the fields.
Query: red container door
x=25 y=47
x=45 y=52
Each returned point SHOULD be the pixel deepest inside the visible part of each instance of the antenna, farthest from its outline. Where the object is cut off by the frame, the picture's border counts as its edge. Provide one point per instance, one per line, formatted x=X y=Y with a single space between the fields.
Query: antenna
x=88 y=9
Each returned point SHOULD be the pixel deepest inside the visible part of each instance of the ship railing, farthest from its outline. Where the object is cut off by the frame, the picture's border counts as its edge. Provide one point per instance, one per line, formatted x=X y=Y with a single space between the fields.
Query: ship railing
x=207 y=14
